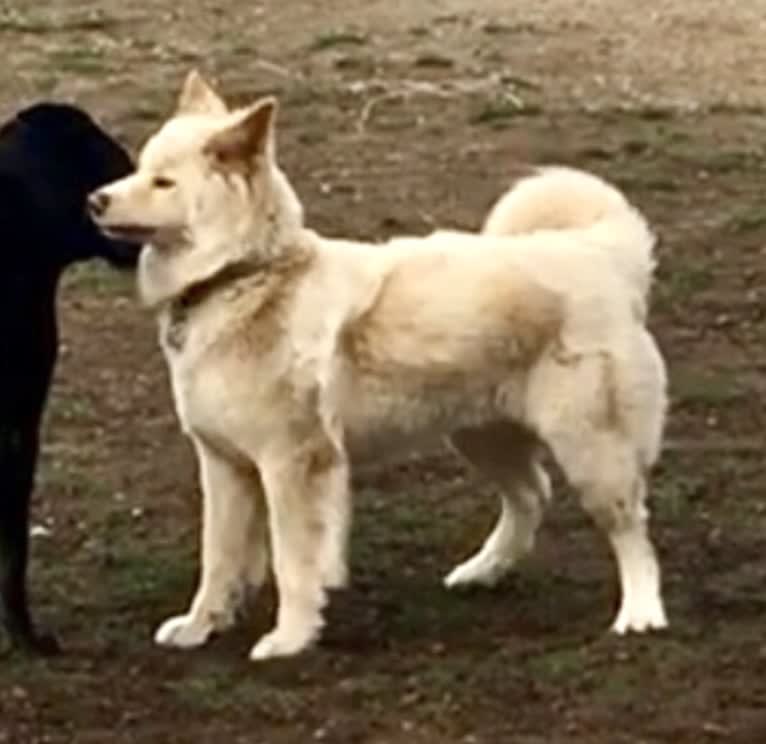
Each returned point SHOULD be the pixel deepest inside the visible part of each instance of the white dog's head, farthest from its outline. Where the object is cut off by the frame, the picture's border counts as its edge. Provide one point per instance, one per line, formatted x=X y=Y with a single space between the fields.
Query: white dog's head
x=209 y=174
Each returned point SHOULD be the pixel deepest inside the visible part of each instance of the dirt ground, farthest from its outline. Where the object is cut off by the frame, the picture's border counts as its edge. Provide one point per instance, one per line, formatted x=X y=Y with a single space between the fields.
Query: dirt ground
x=397 y=117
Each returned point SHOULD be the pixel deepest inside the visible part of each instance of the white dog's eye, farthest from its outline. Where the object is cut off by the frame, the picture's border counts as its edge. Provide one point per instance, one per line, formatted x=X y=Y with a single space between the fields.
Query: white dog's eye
x=160 y=182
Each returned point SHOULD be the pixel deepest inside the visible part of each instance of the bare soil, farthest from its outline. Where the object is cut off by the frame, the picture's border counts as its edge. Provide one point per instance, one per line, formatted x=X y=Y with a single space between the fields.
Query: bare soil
x=398 y=117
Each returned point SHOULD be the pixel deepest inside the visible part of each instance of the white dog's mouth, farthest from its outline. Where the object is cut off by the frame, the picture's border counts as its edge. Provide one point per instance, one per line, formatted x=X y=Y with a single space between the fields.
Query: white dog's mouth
x=130 y=233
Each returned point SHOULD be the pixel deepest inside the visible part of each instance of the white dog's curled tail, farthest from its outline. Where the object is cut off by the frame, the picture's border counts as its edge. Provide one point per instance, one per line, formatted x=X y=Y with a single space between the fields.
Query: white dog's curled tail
x=561 y=198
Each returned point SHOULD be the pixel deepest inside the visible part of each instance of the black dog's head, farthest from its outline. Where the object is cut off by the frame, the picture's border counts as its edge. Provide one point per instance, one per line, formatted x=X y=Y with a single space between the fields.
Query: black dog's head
x=57 y=155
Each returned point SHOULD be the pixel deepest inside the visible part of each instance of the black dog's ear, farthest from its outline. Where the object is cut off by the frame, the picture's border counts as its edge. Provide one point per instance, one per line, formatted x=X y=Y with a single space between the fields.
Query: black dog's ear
x=198 y=97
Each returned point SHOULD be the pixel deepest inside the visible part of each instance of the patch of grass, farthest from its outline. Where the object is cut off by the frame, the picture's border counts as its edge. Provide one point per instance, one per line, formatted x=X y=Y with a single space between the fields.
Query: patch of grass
x=433 y=59
x=147 y=108
x=519 y=83
x=139 y=577
x=211 y=691
x=69 y=409
x=217 y=690
x=312 y=137
x=750 y=219
x=675 y=136
x=21 y=670
x=731 y=161
x=618 y=684
x=304 y=94
x=129 y=577
x=653 y=183
x=411 y=526
x=23 y=23
x=502 y=110
x=679 y=285
x=655 y=113
x=556 y=666
x=426 y=605
x=98 y=277
x=46 y=84
x=705 y=388
x=361 y=65
x=714 y=160
x=675 y=497
x=596 y=152
x=79 y=60
x=635 y=146
x=736 y=108
x=15 y=21
x=332 y=39
x=451 y=671
x=492 y=27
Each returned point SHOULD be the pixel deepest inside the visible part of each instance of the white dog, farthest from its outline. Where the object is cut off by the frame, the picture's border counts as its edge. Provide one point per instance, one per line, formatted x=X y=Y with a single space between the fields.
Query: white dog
x=292 y=356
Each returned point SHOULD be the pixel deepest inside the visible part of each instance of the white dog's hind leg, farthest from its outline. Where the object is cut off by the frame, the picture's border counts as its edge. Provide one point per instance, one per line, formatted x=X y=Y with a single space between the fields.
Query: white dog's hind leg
x=585 y=407
x=337 y=522
x=232 y=550
x=336 y=511
x=641 y=608
x=612 y=490
x=257 y=555
x=510 y=459
x=512 y=537
x=298 y=481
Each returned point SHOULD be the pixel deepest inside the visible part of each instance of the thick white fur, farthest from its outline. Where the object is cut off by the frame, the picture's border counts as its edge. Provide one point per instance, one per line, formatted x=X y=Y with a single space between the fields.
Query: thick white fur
x=556 y=198
x=329 y=353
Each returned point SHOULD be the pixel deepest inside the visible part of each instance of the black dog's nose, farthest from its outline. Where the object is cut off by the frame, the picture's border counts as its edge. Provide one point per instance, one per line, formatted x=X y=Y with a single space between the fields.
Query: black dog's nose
x=98 y=203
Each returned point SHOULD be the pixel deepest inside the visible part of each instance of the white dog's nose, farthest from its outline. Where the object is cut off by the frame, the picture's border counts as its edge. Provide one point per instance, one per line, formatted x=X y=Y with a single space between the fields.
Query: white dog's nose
x=98 y=203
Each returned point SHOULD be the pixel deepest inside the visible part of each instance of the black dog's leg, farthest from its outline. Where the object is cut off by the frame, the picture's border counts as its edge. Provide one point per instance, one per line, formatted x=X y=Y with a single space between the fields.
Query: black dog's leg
x=18 y=457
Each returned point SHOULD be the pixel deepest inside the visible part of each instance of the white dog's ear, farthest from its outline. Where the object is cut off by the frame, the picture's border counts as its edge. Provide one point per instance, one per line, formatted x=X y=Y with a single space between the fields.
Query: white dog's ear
x=198 y=97
x=251 y=134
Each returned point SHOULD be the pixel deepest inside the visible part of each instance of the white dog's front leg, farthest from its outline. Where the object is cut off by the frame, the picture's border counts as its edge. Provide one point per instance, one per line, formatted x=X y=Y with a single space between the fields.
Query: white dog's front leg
x=233 y=550
x=304 y=488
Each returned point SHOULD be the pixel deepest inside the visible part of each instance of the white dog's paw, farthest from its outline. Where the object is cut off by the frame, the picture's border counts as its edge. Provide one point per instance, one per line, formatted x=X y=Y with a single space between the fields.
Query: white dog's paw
x=475 y=571
x=640 y=618
x=279 y=644
x=182 y=631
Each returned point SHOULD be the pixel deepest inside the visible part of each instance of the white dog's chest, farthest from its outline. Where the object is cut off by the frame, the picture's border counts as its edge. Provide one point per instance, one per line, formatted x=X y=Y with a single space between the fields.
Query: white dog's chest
x=216 y=406
x=203 y=397
x=228 y=388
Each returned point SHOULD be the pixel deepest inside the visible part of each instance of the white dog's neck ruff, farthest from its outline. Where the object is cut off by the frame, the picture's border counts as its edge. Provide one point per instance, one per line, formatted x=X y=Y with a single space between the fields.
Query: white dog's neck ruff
x=167 y=272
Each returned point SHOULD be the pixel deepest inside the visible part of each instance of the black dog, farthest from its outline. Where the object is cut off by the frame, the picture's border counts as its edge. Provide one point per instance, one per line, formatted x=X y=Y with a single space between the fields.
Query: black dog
x=51 y=157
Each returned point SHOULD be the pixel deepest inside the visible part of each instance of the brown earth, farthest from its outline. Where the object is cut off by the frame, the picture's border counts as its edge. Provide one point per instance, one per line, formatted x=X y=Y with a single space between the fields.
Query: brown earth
x=397 y=117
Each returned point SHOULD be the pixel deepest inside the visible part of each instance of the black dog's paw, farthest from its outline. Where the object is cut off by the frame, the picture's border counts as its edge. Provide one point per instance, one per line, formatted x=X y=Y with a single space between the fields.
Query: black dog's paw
x=44 y=644
x=34 y=643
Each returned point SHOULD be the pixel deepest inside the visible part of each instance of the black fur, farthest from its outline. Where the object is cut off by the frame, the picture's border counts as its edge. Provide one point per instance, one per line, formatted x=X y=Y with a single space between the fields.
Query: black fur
x=51 y=157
